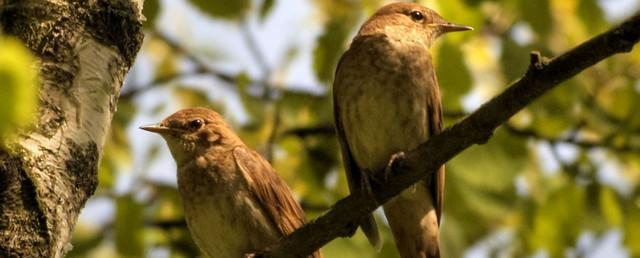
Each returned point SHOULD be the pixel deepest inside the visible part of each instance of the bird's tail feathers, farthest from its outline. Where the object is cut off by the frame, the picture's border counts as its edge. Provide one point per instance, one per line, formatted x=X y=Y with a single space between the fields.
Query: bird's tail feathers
x=370 y=229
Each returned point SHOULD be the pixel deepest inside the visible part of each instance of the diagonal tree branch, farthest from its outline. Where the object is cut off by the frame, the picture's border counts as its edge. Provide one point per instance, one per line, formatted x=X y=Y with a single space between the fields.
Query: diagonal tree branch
x=477 y=128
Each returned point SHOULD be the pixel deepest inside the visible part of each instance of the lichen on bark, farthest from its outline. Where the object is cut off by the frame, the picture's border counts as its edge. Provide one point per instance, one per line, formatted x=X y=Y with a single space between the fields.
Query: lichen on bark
x=83 y=169
x=17 y=194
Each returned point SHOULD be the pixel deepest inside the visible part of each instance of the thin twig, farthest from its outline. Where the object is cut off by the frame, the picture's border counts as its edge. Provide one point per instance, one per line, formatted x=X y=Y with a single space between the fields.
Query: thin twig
x=269 y=92
x=254 y=49
x=139 y=89
x=201 y=64
x=202 y=68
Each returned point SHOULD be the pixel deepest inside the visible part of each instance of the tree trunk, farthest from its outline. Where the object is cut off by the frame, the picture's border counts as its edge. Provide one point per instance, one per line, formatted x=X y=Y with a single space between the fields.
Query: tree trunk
x=84 y=49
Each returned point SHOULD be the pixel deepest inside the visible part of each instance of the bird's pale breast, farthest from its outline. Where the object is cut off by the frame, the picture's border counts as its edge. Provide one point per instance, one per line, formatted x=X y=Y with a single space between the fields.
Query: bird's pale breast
x=383 y=100
x=223 y=222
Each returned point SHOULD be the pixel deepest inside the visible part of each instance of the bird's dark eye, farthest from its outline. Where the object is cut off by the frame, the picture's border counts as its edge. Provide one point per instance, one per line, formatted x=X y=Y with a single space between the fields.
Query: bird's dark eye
x=417 y=16
x=195 y=124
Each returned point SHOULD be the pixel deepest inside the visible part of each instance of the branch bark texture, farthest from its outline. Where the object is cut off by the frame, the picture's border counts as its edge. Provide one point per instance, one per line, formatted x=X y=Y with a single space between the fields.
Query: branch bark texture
x=477 y=128
x=84 y=49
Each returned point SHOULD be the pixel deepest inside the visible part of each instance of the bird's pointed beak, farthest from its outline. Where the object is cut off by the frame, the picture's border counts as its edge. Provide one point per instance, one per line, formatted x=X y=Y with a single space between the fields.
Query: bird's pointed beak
x=452 y=27
x=156 y=128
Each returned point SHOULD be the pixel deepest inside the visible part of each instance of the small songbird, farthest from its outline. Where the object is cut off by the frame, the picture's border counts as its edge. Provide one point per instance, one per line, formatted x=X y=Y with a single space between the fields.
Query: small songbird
x=387 y=101
x=235 y=204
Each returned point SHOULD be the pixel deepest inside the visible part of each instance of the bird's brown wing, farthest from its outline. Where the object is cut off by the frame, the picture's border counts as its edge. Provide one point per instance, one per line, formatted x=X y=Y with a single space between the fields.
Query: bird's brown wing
x=434 y=111
x=272 y=193
x=355 y=176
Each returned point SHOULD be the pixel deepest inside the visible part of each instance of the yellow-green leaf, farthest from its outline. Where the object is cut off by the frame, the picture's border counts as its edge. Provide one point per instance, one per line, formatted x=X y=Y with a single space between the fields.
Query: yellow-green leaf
x=514 y=59
x=342 y=18
x=592 y=16
x=227 y=9
x=129 y=223
x=150 y=10
x=632 y=224
x=610 y=207
x=18 y=87
x=537 y=14
x=266 y=7
x=453 y=75
x=558 y=221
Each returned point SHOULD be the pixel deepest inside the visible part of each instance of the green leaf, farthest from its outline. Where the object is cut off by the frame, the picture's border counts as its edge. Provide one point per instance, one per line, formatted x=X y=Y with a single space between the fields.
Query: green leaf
x=330 y=46
x=295 y=167
x=458 y=11
x=321 y=156
x=555 y=112
x=117 y=151
x=453 y=235
x=537 y=14
x=514 y=59
x=167 y=66
x=631 y=226
x=479 y=188
x=129 y=223
x=266 y=7
x=355 y=247
x=168 y=205
x=83 y=244
x=592 y=16
x=106 y=172
x=473 y=2
x=306 y=108
x=558 y=221
x=254 y=105
x=226 y=9
x=192 y=97
x=150 y=11
x=18 y=88
x=610 y=207
x=618 y=98
x=453 y=75
x=343 y=15
x=501 y=159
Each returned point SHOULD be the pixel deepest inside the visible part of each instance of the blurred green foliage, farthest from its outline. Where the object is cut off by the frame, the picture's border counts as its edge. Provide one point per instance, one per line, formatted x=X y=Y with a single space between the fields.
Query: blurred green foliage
x=18 y=88
x=227 y=9
x=541 y=178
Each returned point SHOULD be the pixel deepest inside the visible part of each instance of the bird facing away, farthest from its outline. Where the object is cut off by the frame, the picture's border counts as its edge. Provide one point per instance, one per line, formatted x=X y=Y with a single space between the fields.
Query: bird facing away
x=234 y=202
x=387 y=101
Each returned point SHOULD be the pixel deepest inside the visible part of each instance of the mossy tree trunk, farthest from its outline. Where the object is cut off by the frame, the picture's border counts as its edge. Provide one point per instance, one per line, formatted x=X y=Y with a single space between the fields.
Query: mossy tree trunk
x=84 y=50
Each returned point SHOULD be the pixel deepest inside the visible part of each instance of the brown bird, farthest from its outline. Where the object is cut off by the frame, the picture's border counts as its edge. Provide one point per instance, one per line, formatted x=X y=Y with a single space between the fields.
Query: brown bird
x=235 y=204
x=387 y=101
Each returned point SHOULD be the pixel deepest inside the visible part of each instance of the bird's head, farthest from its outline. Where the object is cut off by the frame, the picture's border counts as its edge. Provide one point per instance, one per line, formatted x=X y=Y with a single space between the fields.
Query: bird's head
x=409 y=21
x=191 y=132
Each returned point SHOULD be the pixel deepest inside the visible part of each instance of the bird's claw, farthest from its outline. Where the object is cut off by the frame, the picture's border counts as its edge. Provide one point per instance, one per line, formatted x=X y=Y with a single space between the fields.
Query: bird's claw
x=252 y=255
x=393 y=164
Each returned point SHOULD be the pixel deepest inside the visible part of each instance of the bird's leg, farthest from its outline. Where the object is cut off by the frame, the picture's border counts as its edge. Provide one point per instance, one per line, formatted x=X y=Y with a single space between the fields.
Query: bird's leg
x=252 y=255
x=393 y=164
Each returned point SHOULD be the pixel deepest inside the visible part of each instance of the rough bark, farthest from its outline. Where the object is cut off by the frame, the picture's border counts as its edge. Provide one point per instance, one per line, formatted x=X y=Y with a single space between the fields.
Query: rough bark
x=84 y=50
x=477 y=128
